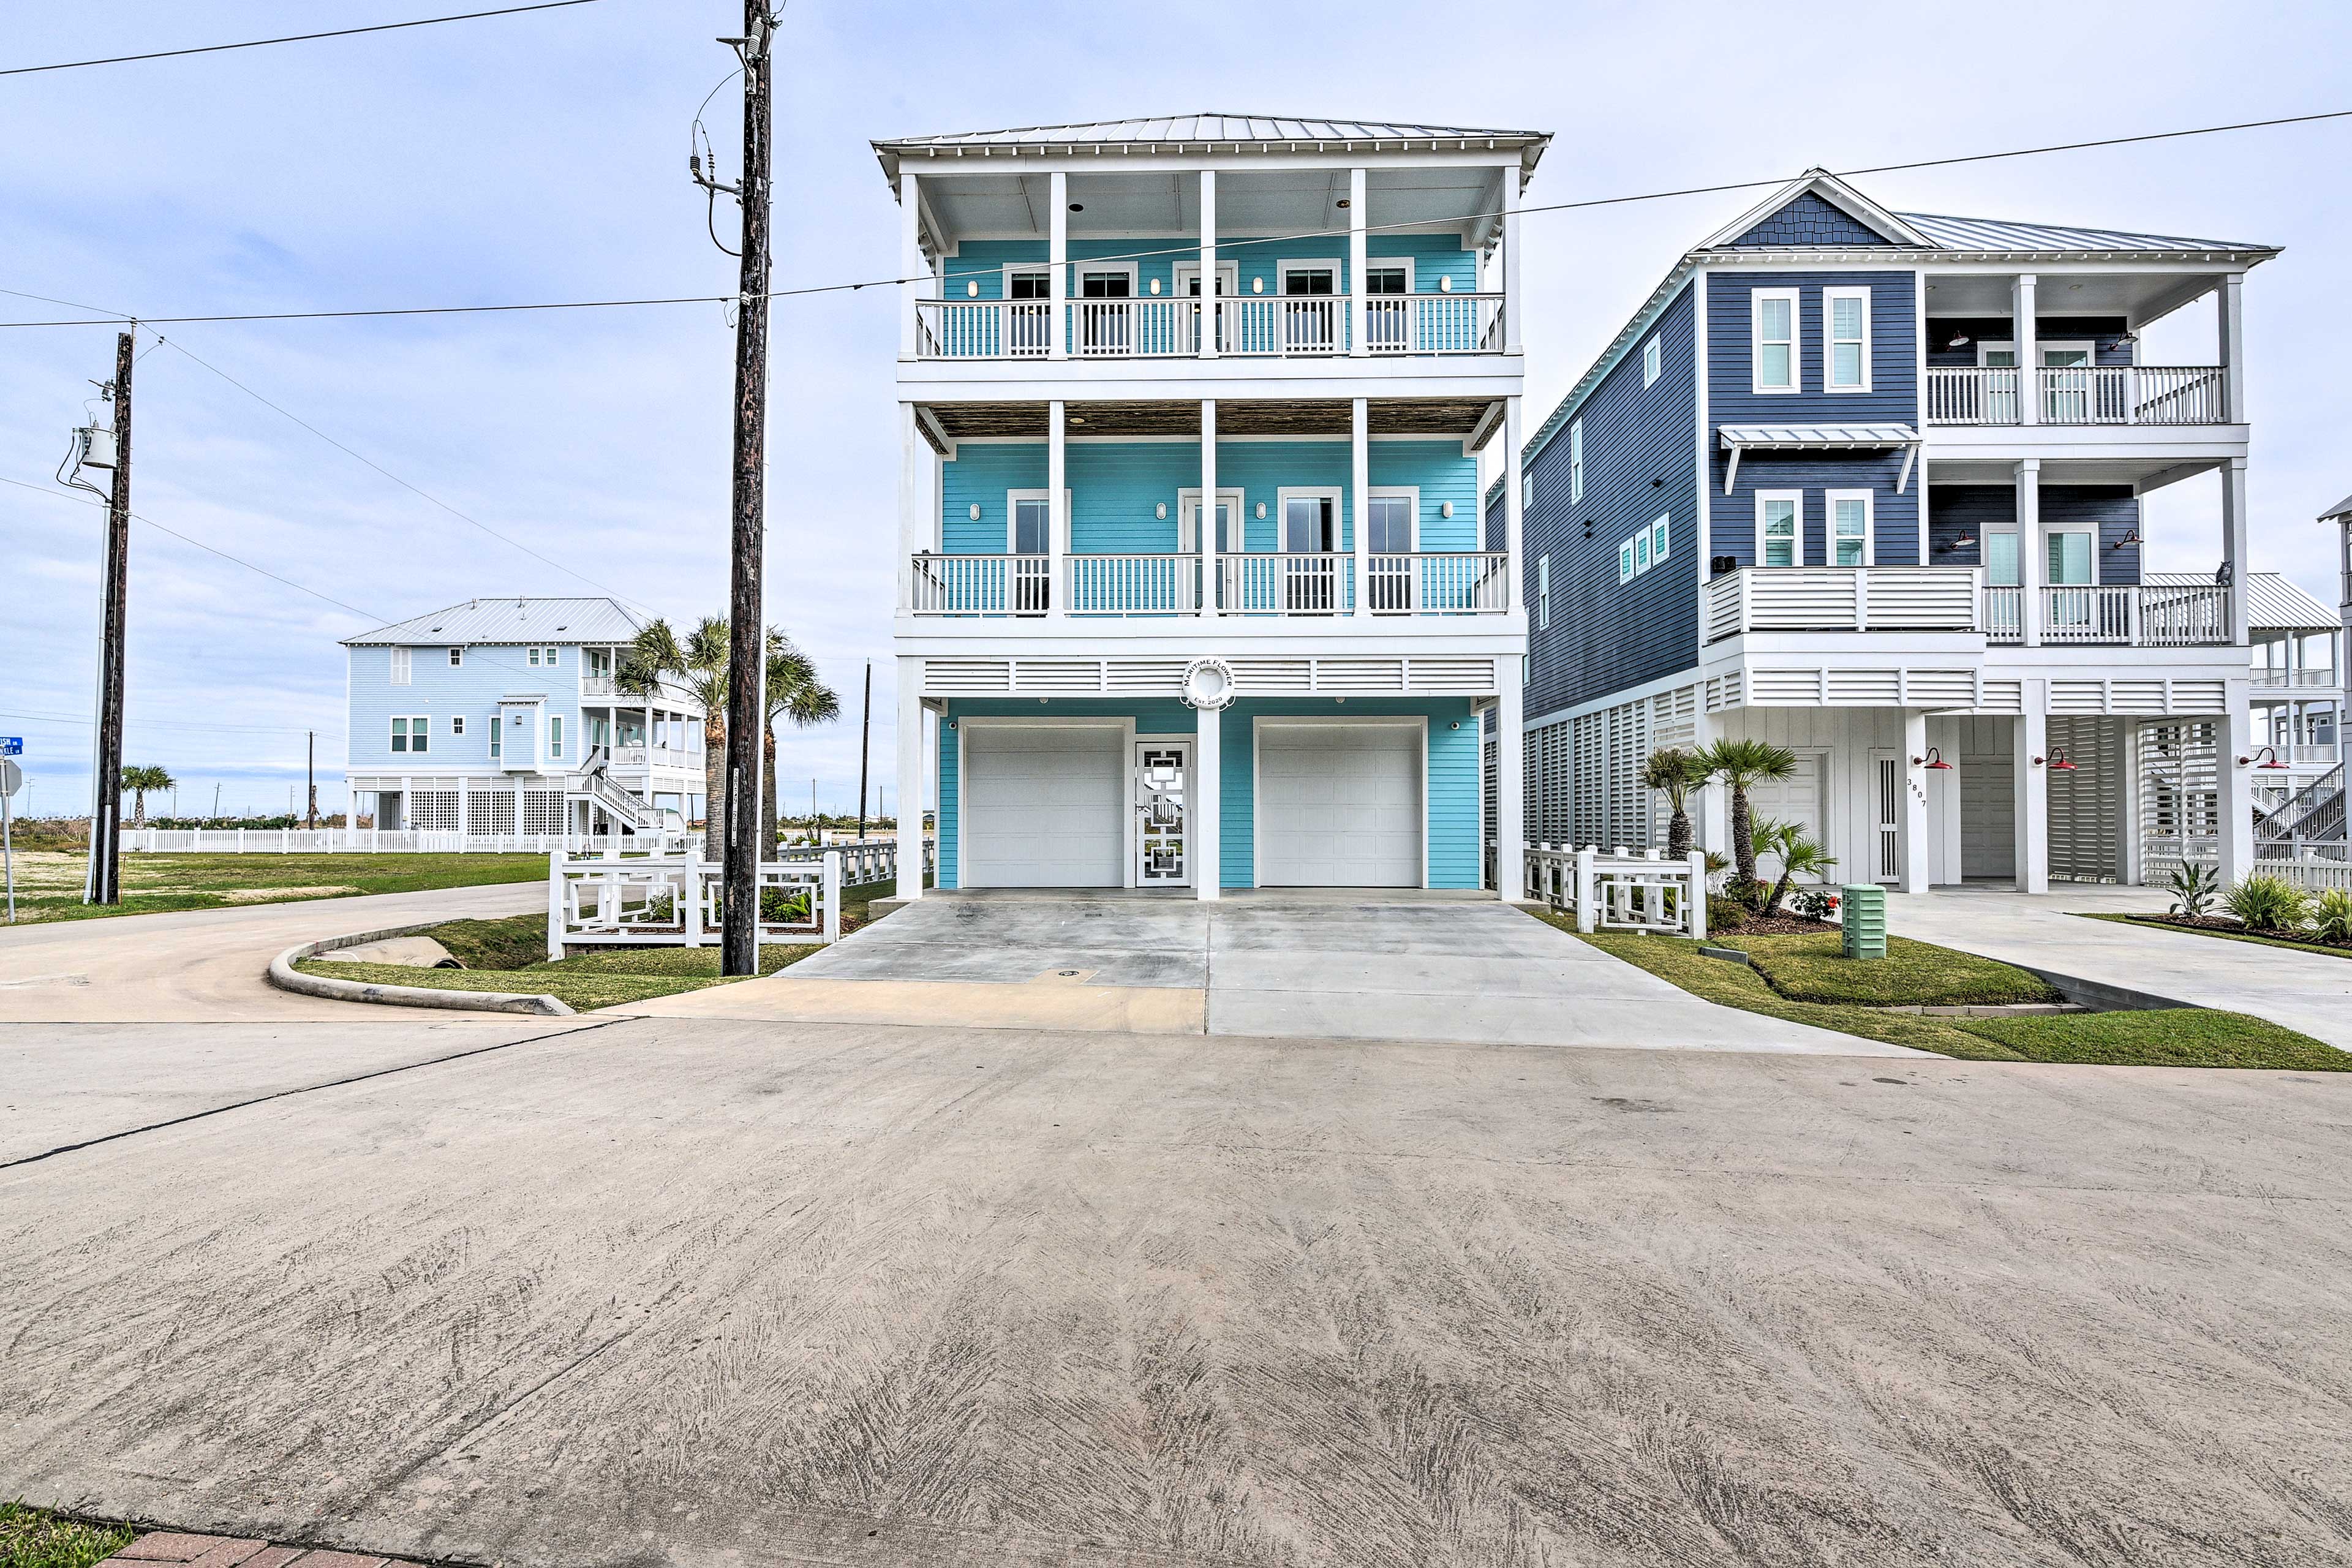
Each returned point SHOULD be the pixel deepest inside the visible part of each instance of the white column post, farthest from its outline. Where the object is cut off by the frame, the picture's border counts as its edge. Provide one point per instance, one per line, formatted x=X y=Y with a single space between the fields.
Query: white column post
x=1057 y=521
x=2032 y=777
x=2029 y=377
x=1059 y=254
x=1913 y=872
x=1206 y=848
x=1212 y=567
x=829 y=891
x=912 y=268
x=2232 y=345
x=2028 y=478
x=1514 y=498
x=1510 y=780
x=2233 y=734
x=1358 y=342
x=555 y=905
x=2234 y=544
x=1514 y=339
x=911 y=487
x=1209 y=323
x=2127 y=869
x=911 y=785
x=1359 y=499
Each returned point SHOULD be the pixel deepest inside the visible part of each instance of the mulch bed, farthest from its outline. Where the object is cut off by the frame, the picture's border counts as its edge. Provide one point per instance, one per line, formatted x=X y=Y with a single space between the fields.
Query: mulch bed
x=1782 y=924
x=2233 y=927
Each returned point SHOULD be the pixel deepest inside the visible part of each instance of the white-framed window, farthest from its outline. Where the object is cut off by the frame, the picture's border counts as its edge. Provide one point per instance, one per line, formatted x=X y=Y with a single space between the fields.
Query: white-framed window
x=1780 y=527
x=412 y=733
x=498 y=728
x=1526 y=489
x=1625 y=561
x=555 y=734
x=1575 y=460
x=1846 y=331
x=540 y=658
x=533 y=654
x=456 y=724
x=1027 y=280
x=550 y=659
x=1658 y=538
x=1775 y=338
x=1653 y=361
x=1849 y=527
x=400 y=666
x=1543 y=592
x=457 y=656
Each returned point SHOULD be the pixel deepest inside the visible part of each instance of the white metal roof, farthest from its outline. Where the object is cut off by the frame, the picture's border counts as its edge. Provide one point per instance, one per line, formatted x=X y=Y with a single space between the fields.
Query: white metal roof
x=2005 y=234
x=1225 y=130
x=512 y=620
x=2337 y=512
x=2272 y=603
x=1822 y=436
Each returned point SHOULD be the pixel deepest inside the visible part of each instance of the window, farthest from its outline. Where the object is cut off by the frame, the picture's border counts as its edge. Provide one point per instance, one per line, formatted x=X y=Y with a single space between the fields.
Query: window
x=400 y=666
x=1029 y=283
x=2000 y=559
x=497 y=724
x=1780 y=527
x=555 y=735
x=1850 y=542
x=457 y=656
x=1543 y=592
x=1847 y=323
x=1310 y=277
x=2070 y=559
x=600 y=660
x=1575 y=462
x=1625 y=561
x=1111 y=283
x=1388 y=277
x=1526 y=489
x=1774 y=329
x=411 y=735
x=1658 y=541
x=533 y=654
x=458 y=724
x=539 y=658
x=1653 y=361
x=550 y=659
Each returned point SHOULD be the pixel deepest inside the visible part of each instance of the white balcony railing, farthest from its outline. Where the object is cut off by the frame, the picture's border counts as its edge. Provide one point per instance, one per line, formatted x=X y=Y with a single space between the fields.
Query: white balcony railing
x=1470 y=583
x=980 y=585
x=1425 y=583
x=2076 y=394
x=1843 y=599
x=2295 y=677
x=2126 y=613
x=1135 y=584
x=1273 y=326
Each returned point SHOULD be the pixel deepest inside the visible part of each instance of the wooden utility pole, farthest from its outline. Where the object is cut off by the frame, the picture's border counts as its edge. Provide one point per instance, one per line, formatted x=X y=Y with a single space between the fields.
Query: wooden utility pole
x=105 y=881
x=865 y=744
x=747 y=710
x=311 y=769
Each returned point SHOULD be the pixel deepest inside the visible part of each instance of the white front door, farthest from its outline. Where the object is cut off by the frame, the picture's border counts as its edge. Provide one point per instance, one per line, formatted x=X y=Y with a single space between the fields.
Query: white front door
x=1163 y=789
x=1338 y=805
x=1045 y=805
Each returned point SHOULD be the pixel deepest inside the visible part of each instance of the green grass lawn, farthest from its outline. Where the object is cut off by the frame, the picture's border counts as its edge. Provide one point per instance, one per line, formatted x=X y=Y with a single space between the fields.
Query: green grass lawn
x=2181 y=1036
x=1813 y=968
x=30 y=1538
x=2247 y=936
x=48 y=883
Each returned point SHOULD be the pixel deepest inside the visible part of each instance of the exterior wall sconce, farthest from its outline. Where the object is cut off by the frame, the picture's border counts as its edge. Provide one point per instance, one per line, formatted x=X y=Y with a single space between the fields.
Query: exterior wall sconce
x=1446 y=284
x=975 y=511
x=2057 y=761
x=2131 y=538
x=1261 y=512
x=972 y=288
x=1155 y=285
x=1456 y=725
x=1932 y=761
x=952 y=723
x=1258 y=285
x=1160 y=512
x=1445 y=509
x=2269 y=759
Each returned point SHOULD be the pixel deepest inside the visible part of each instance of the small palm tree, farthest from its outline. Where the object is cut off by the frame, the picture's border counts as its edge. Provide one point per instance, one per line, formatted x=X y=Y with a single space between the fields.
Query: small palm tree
x=697 y=665
x=1740 y=763
x=137 y=782
x=1674 y=773
x=794 y=693
x=1799 y=855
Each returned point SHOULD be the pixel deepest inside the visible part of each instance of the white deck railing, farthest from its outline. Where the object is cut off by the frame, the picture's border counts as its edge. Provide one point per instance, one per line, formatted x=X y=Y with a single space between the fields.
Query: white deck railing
x=980 y=585
x=675 y=901
x=983 y=329
x=2295 y=677
x=1151 y=326
x=2135 y=615
x=1164 y=585
x=1842 y=598
x=1251 y=583
x=2077 y=394
x=1623 y=890
x=1434 y=323
x=863 y=860
x=1284 y=585
x=1437 y=583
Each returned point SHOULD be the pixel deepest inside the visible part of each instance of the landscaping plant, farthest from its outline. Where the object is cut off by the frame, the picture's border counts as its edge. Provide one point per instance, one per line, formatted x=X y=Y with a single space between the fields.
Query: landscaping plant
x=1725 y=914
x=2267 y=903
x=138 y=782
x=1814 y=903
x=1739 y=764
x=2331 y=916
x=1674 y=773
x=1799 y=855
x=2195 y=886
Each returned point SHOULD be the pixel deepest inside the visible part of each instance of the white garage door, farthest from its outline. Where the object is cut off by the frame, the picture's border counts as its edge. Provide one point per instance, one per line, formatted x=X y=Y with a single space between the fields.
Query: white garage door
x=1044 y=806
x=1797 y=798
x=1338 y=805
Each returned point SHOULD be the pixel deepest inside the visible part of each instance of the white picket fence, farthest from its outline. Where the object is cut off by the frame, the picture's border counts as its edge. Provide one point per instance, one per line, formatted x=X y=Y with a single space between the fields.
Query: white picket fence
x=383 y=841
x=1623 y=890
x=863 y=860
x=675 y=900
x=2313 y=875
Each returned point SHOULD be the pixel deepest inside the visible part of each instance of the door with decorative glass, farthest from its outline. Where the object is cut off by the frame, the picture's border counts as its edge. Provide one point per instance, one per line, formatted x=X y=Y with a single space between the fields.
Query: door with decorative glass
x=1163 y=777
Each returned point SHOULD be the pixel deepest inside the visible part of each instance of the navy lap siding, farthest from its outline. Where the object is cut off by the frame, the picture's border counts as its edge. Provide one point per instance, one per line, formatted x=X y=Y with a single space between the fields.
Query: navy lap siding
x=1965 y=512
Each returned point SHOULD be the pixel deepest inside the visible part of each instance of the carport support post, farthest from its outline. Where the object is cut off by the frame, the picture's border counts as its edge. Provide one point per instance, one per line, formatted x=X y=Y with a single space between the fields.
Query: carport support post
x=1208 y=770
x=1058 y=518
x=555 y=906
x=1510 y=782
x=911 y=719
x=1913 y=873
x=831 y=895
x=2234 y=830
x=2033 y=791
x=1587 y=887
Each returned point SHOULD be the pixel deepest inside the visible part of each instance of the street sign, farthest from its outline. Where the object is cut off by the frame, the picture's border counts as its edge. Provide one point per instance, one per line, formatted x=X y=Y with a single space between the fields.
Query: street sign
x=11 y=745
x=12 y=777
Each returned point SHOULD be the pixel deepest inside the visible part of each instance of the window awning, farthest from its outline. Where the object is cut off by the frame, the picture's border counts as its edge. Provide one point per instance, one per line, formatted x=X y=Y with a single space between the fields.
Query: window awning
x=1741 y=438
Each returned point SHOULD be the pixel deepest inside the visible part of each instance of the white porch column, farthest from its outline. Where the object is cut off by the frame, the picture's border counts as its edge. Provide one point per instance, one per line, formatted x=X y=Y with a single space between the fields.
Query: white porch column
x=2028 y=381
x=912 y=534
x=1358 y=343
x=1514 y=339
x=1057 y=255
x=1510 y=780
x=1209 y=324
x=1710 y=804
x=1212 y=566
x=1207 y=848
x=2233 y=735
x=2232 y=336
x=911 y=265
x=1360 y=498
x=2234 y=544
x=1058 y=518
x=1913 y=874
x=2030 y=551
x=2128 y=871
x=1514 y=498
x=2032 y=778
x=911 y=791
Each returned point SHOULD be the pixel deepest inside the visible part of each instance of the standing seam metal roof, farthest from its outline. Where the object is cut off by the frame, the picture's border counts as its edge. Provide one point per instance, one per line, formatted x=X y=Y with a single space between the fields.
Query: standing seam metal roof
x=512 y=620
x=2003 y=234
x=2272 y=603
x=1199 y=128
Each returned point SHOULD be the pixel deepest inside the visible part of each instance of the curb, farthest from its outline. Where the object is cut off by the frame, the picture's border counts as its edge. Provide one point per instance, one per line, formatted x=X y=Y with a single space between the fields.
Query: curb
x=2101 y=996
x=286 y=978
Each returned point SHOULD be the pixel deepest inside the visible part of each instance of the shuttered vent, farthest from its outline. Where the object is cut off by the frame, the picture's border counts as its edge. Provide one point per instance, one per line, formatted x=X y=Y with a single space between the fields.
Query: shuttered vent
x=1464 y=675
x=2077 y=696
x=2179 y=790
x=1723 y=692
x=1630 y=807
x=1144 y=675
x=2197 y=697
x=2086 y=803
x=2002 y=697
x=2135 y=697
x=1047 y=677
x=1589 y=799
x=1550 y=753
x=1864 y=688
x=1941 y=688
x=1353 y=675
x=1674 y=717
x=1260 y=676
x=1783 y=686
x=966 y=677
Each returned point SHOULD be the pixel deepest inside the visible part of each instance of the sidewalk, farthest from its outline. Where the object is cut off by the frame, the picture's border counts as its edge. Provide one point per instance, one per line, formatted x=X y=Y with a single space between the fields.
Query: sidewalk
x=2307 y=990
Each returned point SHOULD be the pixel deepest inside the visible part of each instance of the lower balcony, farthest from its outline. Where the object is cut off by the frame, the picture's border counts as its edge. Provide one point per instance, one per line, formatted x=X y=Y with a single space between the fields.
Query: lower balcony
x=1463 y=583
x=1954 y=599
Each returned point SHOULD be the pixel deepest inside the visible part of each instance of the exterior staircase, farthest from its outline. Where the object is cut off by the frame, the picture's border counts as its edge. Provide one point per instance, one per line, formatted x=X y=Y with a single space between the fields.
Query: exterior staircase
x=628 y=808
x=2310 y=820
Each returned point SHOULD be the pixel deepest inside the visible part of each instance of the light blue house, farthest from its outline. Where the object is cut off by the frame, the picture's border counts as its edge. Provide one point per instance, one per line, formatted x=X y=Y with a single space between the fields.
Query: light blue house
x=1195 y=590
x=1868 y=485
x=502 y=716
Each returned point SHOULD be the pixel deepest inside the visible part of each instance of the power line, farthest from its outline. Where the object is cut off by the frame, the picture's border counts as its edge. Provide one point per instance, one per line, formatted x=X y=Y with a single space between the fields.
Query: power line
x=294 y=38
x=174 y=724
x=1190 y=249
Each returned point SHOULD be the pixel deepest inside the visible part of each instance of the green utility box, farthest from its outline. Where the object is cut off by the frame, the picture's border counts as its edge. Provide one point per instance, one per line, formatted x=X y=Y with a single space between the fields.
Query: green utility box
x=1864 y=904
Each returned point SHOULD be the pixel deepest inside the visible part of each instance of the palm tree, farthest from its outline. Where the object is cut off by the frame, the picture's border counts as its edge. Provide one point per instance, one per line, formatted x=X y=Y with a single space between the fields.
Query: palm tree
x=1674 y=773
x=794 y=692
x=1740 y=763
x=1798 y=855
x=138 y=782
x=655 y=660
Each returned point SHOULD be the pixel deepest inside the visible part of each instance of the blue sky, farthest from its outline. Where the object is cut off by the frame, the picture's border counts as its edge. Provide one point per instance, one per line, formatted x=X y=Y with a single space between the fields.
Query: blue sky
x=543 y=157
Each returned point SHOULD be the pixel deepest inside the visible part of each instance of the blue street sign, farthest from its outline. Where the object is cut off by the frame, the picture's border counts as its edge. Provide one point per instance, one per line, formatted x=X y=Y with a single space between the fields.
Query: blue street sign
x=11 y=745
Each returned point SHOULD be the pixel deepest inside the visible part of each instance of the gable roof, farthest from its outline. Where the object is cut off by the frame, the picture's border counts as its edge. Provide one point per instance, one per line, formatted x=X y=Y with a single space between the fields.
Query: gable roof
x=1821 y=185
x=2005 y=234
x=2272 y=603
x=510 y=620
x=1205 y=132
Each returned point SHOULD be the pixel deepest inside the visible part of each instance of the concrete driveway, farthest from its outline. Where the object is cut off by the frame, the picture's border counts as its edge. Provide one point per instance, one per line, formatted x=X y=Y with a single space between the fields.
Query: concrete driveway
x=672 y=1292
x=1338 y=966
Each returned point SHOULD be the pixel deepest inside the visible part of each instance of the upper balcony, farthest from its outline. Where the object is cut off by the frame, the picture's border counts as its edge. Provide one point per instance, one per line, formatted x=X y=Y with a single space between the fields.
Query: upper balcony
x=1307 y=326
x=1956 y=599
x=2076 y=394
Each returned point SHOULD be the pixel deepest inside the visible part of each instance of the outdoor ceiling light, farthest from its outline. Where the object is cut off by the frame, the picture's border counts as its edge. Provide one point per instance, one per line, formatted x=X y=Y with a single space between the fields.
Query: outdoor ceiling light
x=1077 y=419
x=1077 y=206
x=1959 y=340
x=1343 y=201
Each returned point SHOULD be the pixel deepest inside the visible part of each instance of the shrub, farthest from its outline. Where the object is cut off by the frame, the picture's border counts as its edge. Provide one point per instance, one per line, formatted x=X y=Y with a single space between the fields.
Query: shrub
x=2195 y=886
x=1749 y=894
x=2268 y=903
x=780 y=908
x=2331 y=916
x=1725 y=914
x=1814 y=903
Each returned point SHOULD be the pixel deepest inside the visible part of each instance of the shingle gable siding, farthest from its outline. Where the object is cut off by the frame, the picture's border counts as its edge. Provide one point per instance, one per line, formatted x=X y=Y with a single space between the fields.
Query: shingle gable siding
x=1808 y=220
x=1605 y=635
